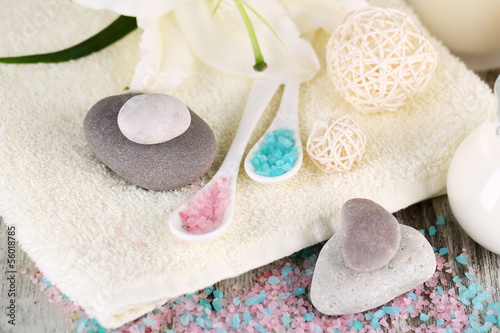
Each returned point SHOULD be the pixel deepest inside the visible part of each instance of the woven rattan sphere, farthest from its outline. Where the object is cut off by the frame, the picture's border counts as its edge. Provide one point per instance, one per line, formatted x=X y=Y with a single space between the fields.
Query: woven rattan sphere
x=379 y=59
x=335 y=144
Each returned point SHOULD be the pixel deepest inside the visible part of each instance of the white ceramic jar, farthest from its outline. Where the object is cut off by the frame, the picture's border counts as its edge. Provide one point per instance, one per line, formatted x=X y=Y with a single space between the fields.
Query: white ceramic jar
x=474 y=185
x=470 y=29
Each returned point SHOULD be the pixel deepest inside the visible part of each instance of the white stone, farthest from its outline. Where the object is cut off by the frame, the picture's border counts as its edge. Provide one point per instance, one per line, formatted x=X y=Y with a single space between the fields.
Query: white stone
x=153 y=118
x=337 y=289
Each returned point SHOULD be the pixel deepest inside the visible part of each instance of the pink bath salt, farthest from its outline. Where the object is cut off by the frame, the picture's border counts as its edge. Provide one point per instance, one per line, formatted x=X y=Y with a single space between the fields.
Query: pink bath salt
x=206 y=210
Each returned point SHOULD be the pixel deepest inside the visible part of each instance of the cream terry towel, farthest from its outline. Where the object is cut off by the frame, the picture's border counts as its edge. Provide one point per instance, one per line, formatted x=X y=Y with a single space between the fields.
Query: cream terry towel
x=106 y=243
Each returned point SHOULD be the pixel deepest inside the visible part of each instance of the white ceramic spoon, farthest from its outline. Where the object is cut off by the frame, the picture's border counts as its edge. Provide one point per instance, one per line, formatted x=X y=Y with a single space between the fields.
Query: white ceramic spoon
x=260 y=96
x=287 y=118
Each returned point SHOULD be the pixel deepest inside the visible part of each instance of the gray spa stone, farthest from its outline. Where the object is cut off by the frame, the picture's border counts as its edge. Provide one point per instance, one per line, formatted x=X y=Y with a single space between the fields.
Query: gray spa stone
x=164 y=166
x=371 y=234
x=153 y=118
x=337 y=289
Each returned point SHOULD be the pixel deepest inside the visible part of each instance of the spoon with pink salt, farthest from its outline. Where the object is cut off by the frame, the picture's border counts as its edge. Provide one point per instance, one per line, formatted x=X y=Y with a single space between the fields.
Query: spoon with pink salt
x=208 y=214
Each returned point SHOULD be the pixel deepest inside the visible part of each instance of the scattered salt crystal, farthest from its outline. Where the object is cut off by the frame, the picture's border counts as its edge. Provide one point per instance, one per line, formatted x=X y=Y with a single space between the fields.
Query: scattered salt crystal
x=462 y=259
x=432 y=230
x=443 y=251
x=440 y=220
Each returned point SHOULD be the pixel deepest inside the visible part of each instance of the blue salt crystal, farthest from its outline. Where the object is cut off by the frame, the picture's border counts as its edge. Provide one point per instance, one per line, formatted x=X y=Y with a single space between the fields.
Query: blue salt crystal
x=284 y=295
x=308 y=316
x=357 y=325
x=424 y=317
x=410 y=309
x=200 y=321
x=412 y=295
x=285 y=320
x=432 y=230
x=273 y=280
x=391 y=310
x=261 y=297
x=247 y=317
x=440 y=220
x=462 y=259
x=217 y=304
x=286 y=270
x=185 y=319
x=443 y=251
x=276 y=154
x=484 y=328
x=299 y=291
x=440 y=322
x=259 y=328
x=375 y=324
x=470 y=276
x=235 y=321
x=236 y=301
x=149 y=321
x=379 y=314
x=251 y=301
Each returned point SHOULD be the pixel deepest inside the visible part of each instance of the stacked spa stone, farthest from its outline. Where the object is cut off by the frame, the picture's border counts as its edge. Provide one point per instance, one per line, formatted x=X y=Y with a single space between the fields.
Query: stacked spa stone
x=151 y=140
x=373 y=260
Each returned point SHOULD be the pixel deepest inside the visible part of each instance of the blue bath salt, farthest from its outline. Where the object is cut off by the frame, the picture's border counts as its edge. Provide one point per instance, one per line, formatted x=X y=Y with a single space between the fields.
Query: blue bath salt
x=440 y=220
x=432 y=230
x=308 y=316
x=285 y=320
x=273 y=280
x=247 y=317
x=357 y=325
x=277 y=153
x=462 y=259
x=235 y=321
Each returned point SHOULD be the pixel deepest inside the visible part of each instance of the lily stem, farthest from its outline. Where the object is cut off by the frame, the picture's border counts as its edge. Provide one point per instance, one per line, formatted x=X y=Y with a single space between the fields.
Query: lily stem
x=260 y=64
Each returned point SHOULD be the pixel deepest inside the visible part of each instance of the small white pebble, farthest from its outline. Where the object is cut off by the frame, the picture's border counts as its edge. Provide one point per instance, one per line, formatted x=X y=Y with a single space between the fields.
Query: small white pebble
x=153 y=118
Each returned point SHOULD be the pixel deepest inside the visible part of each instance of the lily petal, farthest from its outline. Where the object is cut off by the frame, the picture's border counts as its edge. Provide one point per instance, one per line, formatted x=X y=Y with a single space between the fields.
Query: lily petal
x=222 y=41
x=139 y=8
x=311 y=15
x=166 y=57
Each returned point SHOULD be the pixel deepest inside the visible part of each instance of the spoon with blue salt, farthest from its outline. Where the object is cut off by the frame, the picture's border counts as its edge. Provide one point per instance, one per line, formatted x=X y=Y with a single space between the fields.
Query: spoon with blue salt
x=209 y=213
x=277 y=155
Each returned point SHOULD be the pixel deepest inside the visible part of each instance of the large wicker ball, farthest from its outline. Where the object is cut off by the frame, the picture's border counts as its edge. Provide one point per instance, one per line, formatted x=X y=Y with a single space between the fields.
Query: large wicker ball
x=379 y=59
x=335 y=144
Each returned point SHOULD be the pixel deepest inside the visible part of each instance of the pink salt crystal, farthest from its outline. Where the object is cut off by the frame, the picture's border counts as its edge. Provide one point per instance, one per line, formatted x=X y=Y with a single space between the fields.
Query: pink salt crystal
x=206 y=210
x=371 y=235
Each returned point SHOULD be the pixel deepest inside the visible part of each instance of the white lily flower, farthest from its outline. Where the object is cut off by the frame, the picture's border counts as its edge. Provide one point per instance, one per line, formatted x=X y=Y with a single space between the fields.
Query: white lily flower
x=311 y=15
x=175 y=29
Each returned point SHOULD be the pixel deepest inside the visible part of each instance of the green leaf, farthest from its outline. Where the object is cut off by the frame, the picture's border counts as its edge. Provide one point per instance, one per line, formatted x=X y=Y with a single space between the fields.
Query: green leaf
x=112 y=33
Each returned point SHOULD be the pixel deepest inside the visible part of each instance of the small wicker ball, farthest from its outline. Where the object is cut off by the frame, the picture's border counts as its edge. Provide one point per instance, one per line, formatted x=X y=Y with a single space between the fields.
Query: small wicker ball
x=379 y=59
x=335 y=144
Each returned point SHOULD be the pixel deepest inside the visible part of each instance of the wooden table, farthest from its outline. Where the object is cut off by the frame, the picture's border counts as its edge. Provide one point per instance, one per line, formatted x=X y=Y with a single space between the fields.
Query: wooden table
x=35 y=314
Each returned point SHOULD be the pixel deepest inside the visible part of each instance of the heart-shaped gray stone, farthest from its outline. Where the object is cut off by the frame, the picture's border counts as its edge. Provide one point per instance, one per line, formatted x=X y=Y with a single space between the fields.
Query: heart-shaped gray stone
x=336 y=289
